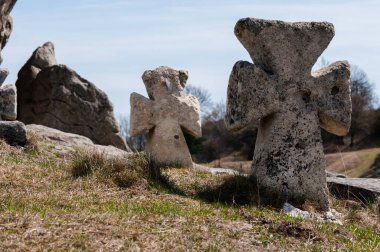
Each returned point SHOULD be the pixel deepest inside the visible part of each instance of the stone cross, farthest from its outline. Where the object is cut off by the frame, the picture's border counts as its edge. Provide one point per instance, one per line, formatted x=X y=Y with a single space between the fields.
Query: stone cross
x=165 y=115
x=290 y=105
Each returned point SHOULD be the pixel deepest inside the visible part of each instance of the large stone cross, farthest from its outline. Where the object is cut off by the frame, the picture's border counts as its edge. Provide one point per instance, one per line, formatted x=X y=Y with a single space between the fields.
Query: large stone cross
x=290 y=105
x=165 y=115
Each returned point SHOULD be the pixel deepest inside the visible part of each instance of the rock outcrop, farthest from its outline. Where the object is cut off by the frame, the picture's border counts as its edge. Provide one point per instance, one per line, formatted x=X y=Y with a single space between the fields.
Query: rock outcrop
x=367 y=190
x=165 y=115
x=11 y=131
x=290 y=104
x=64 y=144
x=56 y=96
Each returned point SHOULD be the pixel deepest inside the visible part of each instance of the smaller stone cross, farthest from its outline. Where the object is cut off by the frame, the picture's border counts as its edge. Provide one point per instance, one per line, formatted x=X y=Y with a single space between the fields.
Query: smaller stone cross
x=290 y=105
x=165 y=115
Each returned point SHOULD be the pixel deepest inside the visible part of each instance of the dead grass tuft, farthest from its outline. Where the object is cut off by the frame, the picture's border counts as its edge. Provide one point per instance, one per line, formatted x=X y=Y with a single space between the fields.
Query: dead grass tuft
x=124 y=172
x=33 y=143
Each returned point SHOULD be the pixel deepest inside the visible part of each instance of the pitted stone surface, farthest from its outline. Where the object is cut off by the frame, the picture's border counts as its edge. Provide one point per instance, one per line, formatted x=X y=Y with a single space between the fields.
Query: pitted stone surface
x=56 y=96
x=290 y=104
x=13 y=133
x=8 y=92
x=8 y=103
x=165 y=115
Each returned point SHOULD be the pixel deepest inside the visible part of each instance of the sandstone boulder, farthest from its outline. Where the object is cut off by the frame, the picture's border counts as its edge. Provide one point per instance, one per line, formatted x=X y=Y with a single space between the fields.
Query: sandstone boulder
x=57 y=97
x=65 y=143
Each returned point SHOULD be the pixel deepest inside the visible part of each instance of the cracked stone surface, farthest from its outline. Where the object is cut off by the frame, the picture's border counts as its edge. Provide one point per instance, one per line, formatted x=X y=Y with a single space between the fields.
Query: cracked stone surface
x=291 y=105
x=165 y=115
x=8 y=103
x=64 y=144
x=56 y=96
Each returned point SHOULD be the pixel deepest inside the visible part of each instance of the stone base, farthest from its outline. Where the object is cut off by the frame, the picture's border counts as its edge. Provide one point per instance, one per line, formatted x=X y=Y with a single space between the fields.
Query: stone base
x=13 y=133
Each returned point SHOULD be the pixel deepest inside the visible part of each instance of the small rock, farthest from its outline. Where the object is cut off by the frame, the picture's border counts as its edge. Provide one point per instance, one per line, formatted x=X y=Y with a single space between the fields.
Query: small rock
x=295 y=212
x=13 y=133
x=35 y=232
x=332 y=216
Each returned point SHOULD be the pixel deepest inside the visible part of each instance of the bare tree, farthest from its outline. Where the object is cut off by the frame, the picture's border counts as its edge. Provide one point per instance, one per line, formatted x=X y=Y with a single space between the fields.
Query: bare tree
x=124 y=126
x=362 y=103
x=217 y=112
x=203 y=96
x=136 y=143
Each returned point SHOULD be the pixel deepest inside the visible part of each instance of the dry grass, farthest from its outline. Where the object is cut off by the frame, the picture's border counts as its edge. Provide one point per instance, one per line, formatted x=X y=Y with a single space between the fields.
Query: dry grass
x=43 y=207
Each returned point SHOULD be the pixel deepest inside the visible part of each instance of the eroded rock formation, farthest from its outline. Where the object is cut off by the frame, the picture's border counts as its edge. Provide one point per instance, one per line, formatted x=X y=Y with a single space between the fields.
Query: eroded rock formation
x=56 y=96
x=11 y=131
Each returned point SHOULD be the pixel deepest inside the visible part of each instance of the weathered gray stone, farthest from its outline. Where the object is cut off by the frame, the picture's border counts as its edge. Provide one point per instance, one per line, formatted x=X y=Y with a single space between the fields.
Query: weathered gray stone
x=291 y=105
x=6 y=27
x=367 y=190
x=57 y=97
x=13 y=133
x=65 y=144
x=8 y=103
x=165 y=115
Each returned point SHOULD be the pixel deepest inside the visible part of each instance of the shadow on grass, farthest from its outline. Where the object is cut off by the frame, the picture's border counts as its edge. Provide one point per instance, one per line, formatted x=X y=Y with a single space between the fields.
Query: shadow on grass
x=232 y=190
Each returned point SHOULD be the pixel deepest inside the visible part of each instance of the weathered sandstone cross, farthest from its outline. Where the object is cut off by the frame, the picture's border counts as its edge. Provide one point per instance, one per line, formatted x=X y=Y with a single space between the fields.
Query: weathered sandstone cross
x=165 y=115
x=290 y=104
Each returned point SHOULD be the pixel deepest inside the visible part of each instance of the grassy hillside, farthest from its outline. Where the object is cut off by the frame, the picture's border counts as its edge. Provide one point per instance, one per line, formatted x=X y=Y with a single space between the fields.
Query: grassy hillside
x=88 y=202
x=352 y=164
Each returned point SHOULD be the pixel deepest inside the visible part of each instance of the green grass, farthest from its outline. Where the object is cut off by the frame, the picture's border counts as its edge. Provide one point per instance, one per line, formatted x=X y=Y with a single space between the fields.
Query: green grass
x=44 y=205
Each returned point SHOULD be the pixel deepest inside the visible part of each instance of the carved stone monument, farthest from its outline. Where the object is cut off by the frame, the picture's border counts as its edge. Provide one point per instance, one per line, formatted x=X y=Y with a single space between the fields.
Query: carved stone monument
x=290 y=105
x=165 y=115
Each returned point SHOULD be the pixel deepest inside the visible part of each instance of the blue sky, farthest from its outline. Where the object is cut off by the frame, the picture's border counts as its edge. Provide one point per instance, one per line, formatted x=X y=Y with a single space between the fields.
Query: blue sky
x=112 y=42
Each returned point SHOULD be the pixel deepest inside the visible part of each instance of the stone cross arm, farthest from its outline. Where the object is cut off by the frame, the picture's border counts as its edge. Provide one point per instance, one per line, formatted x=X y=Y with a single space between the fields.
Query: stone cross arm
x=146 y=113
x=331 y=86
x=142 y=120
x=189 y=115
x=252 y=95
